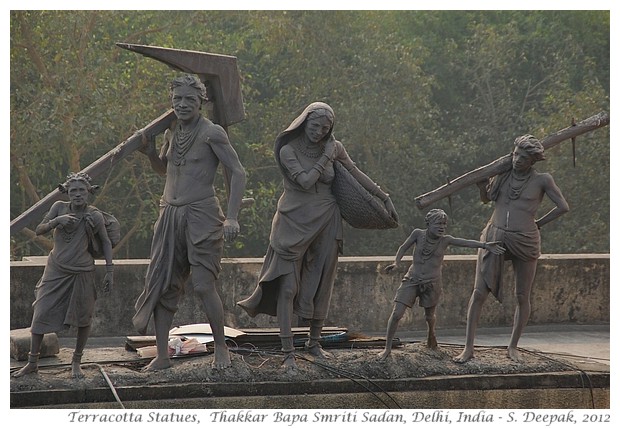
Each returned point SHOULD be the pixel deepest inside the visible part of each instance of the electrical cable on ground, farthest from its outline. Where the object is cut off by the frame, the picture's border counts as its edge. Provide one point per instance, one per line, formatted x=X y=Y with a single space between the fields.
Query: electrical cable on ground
x=350 y=375
x=582 y=373
x=249 y=349
x=110 y=385
x=347 y=374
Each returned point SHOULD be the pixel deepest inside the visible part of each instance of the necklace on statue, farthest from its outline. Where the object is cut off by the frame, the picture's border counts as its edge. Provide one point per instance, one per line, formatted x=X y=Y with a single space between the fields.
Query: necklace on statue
x=67 y=235
x=310 y=151
x=68 y=232
x=516 y=185
x=182 y=143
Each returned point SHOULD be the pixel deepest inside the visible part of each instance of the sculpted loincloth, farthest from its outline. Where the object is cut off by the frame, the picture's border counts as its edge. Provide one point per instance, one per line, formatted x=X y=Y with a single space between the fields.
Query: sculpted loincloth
x=184 y=236
x=65 y=296
x=523 y=246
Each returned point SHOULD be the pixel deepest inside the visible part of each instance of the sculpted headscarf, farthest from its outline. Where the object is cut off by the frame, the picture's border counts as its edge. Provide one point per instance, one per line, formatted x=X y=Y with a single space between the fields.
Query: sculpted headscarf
x=297 y=127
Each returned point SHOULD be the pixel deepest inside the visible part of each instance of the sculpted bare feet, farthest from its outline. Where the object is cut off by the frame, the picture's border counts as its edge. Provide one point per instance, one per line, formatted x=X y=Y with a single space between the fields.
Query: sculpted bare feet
x=514 y=355
x=157 y=364
x=30 y=368
x=221 y=360
x=464 y=356
x=384 y=354
x=289 y=363
x=76 y=370
x=317 y=351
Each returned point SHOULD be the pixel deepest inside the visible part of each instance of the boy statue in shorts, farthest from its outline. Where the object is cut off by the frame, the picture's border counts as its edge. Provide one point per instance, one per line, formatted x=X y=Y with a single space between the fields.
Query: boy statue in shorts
x=423 y=279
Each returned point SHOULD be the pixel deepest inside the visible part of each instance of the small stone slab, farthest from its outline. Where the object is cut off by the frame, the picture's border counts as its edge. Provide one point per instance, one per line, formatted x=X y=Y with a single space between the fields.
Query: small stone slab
x=20 y=344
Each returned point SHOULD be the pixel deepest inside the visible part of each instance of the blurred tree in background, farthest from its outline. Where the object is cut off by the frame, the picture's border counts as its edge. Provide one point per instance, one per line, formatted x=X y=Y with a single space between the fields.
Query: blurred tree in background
x=420 y=97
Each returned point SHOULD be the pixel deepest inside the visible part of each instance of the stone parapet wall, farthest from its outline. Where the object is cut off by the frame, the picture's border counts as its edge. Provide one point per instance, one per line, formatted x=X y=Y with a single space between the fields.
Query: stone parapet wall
x=568 y=289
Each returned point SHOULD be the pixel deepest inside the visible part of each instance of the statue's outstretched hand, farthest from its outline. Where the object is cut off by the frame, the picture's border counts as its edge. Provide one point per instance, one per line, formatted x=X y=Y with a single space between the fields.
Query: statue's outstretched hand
x=388 y=269
x=494 y=247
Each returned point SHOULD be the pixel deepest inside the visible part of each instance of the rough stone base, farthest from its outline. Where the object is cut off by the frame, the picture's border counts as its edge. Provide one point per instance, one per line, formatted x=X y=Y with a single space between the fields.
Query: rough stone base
x=20 y=344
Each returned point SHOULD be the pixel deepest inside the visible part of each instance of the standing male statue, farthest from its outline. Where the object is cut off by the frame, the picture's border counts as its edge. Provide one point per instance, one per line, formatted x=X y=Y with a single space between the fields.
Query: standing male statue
x=191 y=228
x=517 y=194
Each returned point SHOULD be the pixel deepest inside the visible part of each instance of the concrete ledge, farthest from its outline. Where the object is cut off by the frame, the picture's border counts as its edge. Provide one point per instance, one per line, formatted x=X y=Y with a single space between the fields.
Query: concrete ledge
x=568 y=289
x=563 y=390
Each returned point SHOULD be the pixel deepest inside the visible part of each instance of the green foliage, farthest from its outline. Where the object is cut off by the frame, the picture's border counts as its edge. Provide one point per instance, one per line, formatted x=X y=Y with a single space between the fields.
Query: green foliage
x=420 y=97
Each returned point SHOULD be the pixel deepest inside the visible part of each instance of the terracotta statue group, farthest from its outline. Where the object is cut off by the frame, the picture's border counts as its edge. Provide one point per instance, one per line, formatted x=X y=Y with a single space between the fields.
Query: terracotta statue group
x=299 y=268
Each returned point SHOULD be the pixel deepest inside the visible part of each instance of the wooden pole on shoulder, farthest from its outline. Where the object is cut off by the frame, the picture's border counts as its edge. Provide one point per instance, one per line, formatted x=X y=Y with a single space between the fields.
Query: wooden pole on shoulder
x=100 y=166
x=503 y=164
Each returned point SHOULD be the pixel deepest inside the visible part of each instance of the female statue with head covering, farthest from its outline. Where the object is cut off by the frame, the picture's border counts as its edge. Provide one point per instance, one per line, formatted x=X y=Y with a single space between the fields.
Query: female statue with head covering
x=299 y=270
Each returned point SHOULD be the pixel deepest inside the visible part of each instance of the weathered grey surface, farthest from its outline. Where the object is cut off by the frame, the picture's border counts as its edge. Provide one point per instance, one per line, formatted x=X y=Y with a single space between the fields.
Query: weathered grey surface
x=568 y=289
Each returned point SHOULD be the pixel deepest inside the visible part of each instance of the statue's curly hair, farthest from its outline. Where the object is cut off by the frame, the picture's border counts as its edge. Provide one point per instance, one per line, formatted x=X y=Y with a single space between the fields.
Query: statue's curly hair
x=532 y=146
x=77 y=177
x=193 y=82
x=434 y=215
